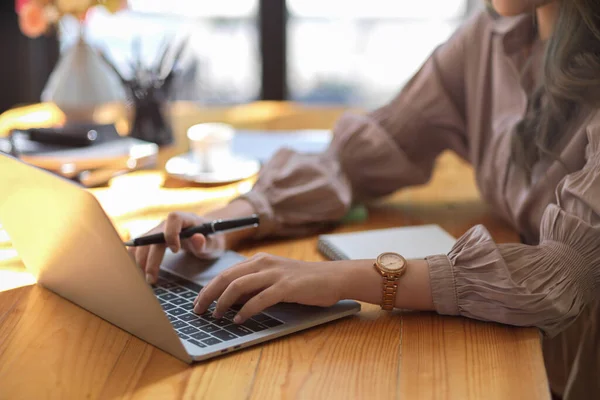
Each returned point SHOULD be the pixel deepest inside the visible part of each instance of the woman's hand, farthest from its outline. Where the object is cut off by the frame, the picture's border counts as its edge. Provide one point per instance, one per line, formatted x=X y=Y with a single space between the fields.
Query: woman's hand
x=149 y=258
x=266 y=280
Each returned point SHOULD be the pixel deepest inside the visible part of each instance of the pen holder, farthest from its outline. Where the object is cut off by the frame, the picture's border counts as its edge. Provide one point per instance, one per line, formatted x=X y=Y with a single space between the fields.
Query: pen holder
x=148 y=90
x=149 y=121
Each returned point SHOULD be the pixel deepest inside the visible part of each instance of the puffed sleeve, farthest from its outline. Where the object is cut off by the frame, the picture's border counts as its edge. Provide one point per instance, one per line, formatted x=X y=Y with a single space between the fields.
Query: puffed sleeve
x=547 y=285
x=371 y=155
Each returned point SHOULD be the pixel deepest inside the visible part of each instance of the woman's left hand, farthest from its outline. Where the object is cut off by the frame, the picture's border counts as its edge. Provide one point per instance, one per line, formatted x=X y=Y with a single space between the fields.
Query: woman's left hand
x=266 y=280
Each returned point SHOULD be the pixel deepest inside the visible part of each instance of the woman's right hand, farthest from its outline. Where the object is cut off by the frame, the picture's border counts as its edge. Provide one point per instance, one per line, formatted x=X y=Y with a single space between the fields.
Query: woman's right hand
x=149 y=258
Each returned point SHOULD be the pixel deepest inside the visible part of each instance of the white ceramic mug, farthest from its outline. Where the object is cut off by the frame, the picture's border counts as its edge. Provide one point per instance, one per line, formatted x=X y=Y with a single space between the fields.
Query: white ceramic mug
x=211 y=145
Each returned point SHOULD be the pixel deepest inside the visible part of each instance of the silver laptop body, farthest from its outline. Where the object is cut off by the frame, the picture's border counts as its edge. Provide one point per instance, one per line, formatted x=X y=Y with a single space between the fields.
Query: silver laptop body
x=66 y=240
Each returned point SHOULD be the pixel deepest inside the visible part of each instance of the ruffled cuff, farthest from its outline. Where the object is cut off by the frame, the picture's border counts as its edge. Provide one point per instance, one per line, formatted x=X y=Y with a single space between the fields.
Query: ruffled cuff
x=298 y=194
x=545 y=286
x=443 y=285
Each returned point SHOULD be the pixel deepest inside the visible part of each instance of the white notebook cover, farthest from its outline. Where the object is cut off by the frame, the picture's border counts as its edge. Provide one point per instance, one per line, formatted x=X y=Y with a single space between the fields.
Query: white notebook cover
x=410 y=242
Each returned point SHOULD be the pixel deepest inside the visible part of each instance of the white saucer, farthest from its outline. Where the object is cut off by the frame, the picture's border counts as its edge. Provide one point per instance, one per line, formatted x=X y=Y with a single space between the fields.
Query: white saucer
x=185 y=167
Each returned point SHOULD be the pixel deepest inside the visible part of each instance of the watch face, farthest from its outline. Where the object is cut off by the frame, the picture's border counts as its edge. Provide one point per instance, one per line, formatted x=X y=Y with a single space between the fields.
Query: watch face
x=391 y=262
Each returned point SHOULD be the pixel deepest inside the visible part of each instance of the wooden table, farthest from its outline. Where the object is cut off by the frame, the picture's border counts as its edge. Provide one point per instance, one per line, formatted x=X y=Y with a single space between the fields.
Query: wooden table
x=50 y=348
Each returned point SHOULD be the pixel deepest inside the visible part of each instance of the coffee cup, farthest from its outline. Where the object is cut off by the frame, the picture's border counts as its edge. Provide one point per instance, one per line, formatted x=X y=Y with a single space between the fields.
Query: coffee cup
x=210 y=144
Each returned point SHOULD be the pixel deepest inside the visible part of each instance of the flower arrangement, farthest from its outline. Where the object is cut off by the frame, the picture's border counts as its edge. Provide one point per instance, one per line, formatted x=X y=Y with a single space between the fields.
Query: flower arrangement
x=36 y=17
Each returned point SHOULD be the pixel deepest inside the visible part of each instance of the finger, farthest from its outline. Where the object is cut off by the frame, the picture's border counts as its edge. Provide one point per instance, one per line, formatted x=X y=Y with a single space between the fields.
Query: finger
x=194 y=244
x=217 y=286
x=244 y=298
x=131 y=251
x=173 y=226
x=155 y=257
x=260 y=260
x=242 y=286
x=141 y=256
x=267 y=298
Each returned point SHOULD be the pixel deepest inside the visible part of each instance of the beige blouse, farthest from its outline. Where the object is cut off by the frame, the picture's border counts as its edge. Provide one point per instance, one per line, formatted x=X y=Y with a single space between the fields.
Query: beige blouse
x=467 y=97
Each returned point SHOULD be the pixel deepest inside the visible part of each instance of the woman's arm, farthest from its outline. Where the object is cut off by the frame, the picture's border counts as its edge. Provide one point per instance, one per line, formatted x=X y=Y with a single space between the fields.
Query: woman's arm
x=546 y=286
x=363 y=283
x=375 y=154
x=370 y=156
x=265 y=280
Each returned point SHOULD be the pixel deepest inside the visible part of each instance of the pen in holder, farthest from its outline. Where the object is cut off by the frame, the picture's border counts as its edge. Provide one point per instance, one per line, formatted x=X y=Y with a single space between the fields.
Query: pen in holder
x=148 y=90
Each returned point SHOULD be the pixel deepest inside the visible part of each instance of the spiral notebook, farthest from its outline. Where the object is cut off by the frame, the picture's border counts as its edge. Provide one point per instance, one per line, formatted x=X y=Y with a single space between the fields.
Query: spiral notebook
x=411 y=242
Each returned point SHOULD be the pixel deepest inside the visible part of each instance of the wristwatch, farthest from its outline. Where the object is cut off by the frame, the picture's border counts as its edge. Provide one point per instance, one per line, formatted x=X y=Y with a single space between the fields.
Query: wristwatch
x=391 y=266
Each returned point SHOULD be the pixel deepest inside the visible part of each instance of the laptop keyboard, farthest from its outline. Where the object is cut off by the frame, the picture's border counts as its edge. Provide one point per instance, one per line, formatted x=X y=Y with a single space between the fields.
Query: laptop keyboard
x=176 y=296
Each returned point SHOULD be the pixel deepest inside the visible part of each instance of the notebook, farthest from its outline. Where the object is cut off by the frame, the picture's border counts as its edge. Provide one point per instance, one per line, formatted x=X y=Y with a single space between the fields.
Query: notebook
x=93 y=165
x=410 y=242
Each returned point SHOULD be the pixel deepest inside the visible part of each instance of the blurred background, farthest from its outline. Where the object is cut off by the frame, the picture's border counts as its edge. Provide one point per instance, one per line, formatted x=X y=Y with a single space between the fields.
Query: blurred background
x=335 y=52
x=278 y=73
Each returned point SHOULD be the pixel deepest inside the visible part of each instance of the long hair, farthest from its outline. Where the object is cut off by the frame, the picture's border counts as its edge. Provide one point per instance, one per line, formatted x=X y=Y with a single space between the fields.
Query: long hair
x=570 y=81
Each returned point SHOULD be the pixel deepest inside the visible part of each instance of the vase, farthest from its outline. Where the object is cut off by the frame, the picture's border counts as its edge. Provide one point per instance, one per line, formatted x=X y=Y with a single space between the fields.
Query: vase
x=81 y=82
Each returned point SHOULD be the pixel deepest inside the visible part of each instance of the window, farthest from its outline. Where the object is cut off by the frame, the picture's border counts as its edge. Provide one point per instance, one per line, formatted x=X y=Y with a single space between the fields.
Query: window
x=358 y=52
x=222 y=61
x=349 y=52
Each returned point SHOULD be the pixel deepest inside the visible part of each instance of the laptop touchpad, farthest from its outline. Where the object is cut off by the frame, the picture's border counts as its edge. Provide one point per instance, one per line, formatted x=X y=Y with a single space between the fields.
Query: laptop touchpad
x=199 y=271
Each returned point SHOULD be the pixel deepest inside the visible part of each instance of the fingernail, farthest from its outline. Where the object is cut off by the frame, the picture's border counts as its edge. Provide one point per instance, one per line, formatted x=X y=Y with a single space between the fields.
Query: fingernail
x=217 y=315
x=173 y=249
x=237 y=319
x=149 y=279
x=195 y=301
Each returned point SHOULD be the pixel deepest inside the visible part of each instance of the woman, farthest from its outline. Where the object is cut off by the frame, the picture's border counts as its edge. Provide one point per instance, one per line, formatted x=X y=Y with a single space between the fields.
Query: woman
x=518 y=96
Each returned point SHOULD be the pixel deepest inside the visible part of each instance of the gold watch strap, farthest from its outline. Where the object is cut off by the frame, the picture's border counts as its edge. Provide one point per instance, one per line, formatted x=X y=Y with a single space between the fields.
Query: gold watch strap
x=390 y=288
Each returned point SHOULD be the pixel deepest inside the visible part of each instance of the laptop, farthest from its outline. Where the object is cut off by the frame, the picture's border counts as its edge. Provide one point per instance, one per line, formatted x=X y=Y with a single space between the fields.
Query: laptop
x=67 y=241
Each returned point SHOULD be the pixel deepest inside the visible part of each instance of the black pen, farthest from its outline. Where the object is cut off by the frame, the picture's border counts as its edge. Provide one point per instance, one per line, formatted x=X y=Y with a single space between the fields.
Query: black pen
x=208 y=228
